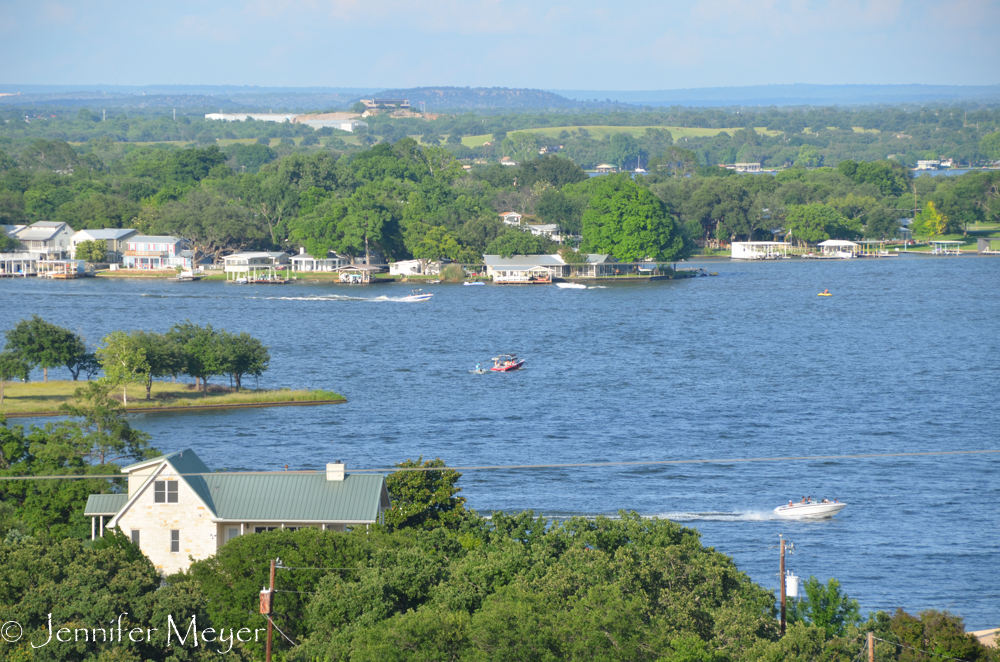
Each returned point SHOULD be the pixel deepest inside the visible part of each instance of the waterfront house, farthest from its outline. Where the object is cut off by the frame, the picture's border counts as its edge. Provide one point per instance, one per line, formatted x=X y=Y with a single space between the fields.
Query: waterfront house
x=177 y=508
x=606 y=169
x=49 y=240
x=519 y=268
x=507 y=161
x=305 y=262
x=254 y=264
x=114 y=238
x=156 y=252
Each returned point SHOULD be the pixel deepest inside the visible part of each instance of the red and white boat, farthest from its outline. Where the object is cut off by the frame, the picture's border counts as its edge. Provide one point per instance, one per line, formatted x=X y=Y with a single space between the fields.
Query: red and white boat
x=506 y=363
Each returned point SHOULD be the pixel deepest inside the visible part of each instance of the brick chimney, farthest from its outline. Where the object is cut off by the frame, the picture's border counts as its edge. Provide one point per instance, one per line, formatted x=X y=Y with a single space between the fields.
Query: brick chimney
x=335 y=470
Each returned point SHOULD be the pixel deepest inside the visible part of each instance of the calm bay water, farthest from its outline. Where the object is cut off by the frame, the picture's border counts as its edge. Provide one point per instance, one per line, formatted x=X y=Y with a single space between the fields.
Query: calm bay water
x=748 y=364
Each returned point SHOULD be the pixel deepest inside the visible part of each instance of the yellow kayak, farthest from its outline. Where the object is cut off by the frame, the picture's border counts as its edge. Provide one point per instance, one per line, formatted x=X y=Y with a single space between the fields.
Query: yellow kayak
x=824 y=294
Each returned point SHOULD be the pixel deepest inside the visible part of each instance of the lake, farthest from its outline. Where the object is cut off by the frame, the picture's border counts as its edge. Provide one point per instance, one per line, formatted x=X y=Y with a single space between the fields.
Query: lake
x=751 y=363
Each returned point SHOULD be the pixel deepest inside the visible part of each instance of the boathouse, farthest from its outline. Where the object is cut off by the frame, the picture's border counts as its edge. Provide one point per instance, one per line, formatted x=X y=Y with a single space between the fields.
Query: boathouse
x=176 y=507
x=758 y=250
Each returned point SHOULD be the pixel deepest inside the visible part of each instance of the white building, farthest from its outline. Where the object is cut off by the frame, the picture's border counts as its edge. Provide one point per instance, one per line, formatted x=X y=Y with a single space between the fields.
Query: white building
x=305 y=262
x=47 y=239
x=406 y=268
x=550 y=230
x=177 y=508
x=521 y=268
x=511 y=218
x=930 y=164
x=759 y=250
x=114 y=238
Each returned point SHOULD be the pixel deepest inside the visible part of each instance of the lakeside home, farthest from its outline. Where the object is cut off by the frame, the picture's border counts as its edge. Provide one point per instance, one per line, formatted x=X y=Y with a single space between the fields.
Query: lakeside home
x=176 y=509
x=254 y=265
x=156 y=252
x=114 y=238
x=49 y=240
x=305 y=262
x=522 y=268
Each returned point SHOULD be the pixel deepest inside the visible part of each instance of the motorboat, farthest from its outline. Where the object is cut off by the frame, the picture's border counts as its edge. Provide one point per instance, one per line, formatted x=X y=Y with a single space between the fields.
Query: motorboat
x=571 y=286
x=810 y=509
x=418 y=295
x=478 y=282
x=189 y=276
x=507 y=363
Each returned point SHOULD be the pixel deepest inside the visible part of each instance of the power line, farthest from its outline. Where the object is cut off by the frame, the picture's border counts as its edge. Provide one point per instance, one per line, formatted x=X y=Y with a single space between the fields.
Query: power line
x=947 y=657
x=504 y=467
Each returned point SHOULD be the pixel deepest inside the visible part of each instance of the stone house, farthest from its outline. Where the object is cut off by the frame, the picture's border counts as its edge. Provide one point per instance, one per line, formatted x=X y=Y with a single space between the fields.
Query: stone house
x=177 y=510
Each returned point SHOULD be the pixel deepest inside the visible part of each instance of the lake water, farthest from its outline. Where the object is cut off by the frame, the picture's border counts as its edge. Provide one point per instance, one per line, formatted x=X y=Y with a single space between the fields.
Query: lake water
x=903 y=358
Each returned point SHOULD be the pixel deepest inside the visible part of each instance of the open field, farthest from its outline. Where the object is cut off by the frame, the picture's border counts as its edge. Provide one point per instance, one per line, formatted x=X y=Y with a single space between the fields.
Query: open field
x=41 y=398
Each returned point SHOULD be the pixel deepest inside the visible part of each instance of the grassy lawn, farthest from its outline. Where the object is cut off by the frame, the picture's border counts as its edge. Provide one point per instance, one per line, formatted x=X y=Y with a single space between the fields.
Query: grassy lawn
x=38 y=397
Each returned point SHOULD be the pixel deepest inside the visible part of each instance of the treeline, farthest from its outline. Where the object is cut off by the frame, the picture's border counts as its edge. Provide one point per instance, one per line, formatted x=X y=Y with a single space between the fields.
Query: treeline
x=405 y=200
x=851 y=201
x=808 y=135
x=133 y=356
x=436 y=581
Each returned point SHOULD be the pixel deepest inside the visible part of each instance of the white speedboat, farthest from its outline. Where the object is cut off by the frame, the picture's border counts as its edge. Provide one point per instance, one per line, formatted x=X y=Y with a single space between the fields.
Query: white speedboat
x=571 y=286
x=418 y=295
x=810 y=510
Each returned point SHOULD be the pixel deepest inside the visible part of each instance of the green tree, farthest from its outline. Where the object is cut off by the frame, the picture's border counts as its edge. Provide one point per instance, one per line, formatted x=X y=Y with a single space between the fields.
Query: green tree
x=163 y=356
x=990 y=145
x=518 y=242
x=930 y=222
x=92 y=251
x=628 y=222
x=12 y=366
x=624 y=150
x=103 y=434
x=123 y=360
x=426 y=498
x=358 y=107
x=8 y=244
x=881 y=223
x=43 y=344
x=825 y=607
x=818 y=222
x=199 y=346
x=239 y=354
x=520 y=146
x=675 y=161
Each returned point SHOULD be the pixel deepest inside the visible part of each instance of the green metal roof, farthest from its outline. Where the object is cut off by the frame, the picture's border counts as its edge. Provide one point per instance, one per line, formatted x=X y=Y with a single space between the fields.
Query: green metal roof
x=293 y=497
x=104 y=504
x=273 y=497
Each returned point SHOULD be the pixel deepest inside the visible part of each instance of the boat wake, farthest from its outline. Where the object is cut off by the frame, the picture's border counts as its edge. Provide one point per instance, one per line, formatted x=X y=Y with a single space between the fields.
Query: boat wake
x=329 y=297
x=713 y=516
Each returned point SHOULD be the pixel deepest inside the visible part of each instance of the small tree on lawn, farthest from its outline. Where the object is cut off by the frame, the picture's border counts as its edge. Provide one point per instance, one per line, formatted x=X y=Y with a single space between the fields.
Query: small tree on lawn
x=199 y=347
x=12 y=366
x=163 y=355
x=123 y=360
x=241 y=354
x=43 y=344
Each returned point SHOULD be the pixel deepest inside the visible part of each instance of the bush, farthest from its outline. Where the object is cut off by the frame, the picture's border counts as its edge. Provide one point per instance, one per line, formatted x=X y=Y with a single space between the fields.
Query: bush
x=452 y=273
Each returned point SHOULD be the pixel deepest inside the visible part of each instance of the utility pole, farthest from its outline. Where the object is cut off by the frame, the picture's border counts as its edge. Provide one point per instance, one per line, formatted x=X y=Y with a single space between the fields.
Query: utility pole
x=782 y=573
x=270 y=609
x=871 y=647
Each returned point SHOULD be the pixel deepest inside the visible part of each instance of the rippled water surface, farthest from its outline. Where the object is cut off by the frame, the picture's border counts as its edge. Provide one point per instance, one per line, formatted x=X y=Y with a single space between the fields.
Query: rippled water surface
x=903 y=358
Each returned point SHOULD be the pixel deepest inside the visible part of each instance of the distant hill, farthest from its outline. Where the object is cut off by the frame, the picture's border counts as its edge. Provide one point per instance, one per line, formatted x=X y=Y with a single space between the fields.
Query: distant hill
x=798 y=94
x=482 y=98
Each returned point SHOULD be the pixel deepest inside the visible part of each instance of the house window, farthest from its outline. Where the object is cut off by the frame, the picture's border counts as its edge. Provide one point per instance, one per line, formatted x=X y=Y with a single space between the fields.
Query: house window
x=135 y=536
x=175 y=540
x=165 y=491
x=232 y=533
x=262 y=529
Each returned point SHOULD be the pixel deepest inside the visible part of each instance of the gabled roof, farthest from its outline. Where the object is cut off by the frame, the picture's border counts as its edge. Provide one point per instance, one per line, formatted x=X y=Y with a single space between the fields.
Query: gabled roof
x=32 y=233
x=292 y=497
x=268 y=497
x=48 y=224
x=108 y=233
x=104 y=504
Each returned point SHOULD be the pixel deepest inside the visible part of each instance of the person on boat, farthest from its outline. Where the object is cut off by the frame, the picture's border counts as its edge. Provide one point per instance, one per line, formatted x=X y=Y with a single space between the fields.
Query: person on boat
x=803 y=500
x=826 y=500
x=479 y=368
x=790 y=503
x=826 y=291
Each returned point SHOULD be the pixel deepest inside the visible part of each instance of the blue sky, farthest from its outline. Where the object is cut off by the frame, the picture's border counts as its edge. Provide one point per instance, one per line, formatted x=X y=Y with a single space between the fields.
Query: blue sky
x=598 y=45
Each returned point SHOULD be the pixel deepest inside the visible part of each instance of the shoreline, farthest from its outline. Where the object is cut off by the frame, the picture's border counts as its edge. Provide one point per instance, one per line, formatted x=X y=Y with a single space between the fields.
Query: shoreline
x=233 y=405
